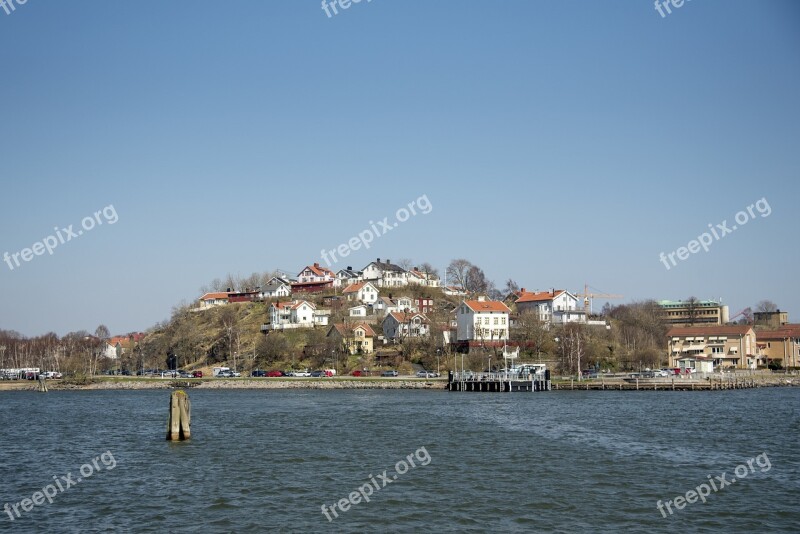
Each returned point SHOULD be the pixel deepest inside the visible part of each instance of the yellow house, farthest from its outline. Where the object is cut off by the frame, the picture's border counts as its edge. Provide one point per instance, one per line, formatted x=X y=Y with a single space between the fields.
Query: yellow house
x=781 y=344
x=358 y=338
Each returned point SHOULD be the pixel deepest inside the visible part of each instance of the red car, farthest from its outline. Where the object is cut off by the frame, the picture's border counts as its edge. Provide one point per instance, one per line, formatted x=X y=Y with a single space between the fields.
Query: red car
x=275 y=373
x=197 y=374
x=359 y=372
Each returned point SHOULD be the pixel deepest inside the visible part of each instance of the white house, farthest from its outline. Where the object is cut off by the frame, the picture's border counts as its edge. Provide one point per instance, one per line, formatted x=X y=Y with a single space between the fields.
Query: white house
x=386 y=305
x=279 y=290
x=219 y=298
x=556 y=306
x=364 y=292
x=454 y=291
x=358 y=311
x=295 y=314
x=345 y=277
x=399 y=325
x=385 y=274
x=422 y=278
x=482 y=320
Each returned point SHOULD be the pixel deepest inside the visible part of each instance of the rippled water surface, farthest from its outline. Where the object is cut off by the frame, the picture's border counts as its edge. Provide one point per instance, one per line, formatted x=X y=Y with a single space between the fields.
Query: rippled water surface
x=263 y=460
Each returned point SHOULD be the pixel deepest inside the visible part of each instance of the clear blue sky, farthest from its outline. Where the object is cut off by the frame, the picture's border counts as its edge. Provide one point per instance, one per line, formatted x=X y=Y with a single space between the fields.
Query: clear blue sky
x=559 y=143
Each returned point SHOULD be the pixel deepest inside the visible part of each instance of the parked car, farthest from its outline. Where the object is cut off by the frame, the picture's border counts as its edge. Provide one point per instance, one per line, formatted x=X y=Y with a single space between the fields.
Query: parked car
x=589 y=373
x=320 y=374
x=425 y=374
x=258 y=373
x=305 y=373
x=275 y=373
x=358 y=372
x=660 y=372
x=225 y=374
x=389 y=373
x=52 y=374
x=197 y=374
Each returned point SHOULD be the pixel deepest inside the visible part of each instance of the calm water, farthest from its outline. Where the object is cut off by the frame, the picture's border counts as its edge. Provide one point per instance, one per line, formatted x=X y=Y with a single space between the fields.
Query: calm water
x=268 y=460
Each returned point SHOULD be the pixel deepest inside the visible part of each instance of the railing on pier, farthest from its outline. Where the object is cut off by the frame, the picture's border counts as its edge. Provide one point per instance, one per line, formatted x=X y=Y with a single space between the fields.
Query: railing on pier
x=498 y=381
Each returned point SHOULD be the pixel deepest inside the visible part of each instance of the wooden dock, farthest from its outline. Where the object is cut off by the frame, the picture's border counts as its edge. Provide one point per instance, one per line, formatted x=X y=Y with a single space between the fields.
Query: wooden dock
x=663 y=384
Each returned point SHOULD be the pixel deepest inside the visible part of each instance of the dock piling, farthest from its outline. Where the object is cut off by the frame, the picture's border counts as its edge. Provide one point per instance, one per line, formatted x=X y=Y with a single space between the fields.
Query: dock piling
x=180 y=414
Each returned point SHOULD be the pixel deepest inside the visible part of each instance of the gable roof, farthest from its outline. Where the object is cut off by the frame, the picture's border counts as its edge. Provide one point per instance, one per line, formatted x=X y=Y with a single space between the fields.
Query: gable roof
x=345 y=330
x=540 y=296
x=386 y=266
x=318 y=270
x=487 y=306
x=274 y=287
x=725 y=330
x=293 y=305
x=404 y=317
x=353 y=288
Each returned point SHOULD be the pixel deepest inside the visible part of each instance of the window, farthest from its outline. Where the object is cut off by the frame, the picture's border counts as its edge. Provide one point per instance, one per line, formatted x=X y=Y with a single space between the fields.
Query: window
x=485 y=320
x=496 y=320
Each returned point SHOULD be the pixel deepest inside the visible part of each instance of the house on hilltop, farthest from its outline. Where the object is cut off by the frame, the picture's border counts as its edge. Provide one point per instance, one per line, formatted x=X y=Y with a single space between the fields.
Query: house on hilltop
x=385 y=274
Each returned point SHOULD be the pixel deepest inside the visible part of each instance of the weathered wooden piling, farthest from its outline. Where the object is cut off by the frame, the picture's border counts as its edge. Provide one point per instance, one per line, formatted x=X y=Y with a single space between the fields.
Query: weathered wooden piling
x=180 y=417
x=42 y=385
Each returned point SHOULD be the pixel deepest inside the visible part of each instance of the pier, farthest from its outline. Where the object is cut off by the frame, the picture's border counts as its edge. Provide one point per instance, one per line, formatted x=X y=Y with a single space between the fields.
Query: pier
x=498 y=382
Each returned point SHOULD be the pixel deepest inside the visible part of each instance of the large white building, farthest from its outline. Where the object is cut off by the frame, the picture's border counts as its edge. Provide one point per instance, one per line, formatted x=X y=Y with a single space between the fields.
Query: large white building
x=556 y=306
x=482 y=320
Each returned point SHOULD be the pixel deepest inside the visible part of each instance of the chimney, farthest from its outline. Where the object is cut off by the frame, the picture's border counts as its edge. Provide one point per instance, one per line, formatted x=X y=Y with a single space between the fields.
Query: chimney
x=552 y=291
x=379 y=260
x=388 y=260
x=522 y=290
x=316 y=265
x=349 y=268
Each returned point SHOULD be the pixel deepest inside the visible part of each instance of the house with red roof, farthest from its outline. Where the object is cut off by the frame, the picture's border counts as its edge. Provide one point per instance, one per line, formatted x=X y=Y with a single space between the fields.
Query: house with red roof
x=557 y=306
x=364 y=292
x=482 y=320
x=217 y=298
x=313 y=279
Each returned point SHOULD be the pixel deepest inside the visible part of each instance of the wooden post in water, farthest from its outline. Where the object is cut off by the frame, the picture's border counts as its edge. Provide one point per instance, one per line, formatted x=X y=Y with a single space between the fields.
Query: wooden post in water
x=42 y=385
x=180 y=414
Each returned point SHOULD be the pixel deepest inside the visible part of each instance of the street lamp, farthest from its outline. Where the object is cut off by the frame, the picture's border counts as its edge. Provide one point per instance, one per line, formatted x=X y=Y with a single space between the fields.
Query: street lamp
x=438 y=351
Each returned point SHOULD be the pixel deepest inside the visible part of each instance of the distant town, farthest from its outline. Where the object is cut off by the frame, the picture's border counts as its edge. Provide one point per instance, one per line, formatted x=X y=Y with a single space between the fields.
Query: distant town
x=400 y=317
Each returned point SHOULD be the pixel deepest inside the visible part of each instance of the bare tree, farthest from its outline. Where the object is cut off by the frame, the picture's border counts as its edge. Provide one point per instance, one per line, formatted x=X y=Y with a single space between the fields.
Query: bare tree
x=511 y=287
x=457 y=272
x=405 y=263
x=692 y=310
x=766 y=306
x=429 y=269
